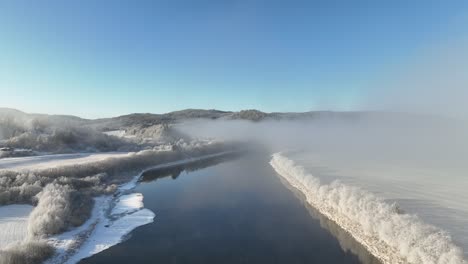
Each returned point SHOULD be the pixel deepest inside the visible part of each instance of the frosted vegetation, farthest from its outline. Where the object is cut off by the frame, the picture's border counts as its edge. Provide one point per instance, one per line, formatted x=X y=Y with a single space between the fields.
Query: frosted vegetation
x=33 y=251
x=42 y=135
x=31 y=134
x=63 y=134
x=62 y=196
x=391 y=235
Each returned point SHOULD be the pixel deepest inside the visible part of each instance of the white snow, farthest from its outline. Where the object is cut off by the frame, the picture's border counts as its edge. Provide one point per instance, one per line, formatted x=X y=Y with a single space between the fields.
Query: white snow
x=128 y=203
x=391 y=236
x=115 y=133
x=108 y=232
x=57 y=160
x=108 y=235
x=102 y=230
x=13 y=223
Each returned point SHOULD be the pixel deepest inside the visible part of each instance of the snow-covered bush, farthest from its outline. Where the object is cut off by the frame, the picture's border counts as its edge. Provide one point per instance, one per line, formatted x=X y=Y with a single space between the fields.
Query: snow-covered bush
x=26 y=253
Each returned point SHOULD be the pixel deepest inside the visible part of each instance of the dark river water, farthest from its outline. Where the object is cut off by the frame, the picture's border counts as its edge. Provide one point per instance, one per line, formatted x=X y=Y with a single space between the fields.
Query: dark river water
x=230 y=211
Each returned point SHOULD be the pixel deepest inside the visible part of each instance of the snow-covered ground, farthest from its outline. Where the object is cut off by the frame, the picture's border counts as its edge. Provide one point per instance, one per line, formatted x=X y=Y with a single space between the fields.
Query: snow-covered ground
x=121 y=134
x=102 y=230
x=115 y=133
x=127 y=204
x=113 y=217
x=56 y=160
x=13 y=223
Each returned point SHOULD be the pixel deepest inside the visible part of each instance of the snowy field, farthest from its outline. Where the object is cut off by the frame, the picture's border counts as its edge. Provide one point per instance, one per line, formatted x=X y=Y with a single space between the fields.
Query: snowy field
x=13 y=223
x=57 y=160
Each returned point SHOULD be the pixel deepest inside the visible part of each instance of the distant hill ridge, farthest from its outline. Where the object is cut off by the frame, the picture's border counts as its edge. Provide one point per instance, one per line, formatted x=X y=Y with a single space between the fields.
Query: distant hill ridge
x=149 y=119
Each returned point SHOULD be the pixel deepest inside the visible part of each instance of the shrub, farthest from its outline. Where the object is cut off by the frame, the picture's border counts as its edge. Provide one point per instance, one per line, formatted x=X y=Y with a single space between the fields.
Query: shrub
x=26 y=253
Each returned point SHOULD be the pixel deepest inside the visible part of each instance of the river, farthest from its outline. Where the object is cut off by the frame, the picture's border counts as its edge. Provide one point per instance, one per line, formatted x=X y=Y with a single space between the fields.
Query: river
x=234 y=210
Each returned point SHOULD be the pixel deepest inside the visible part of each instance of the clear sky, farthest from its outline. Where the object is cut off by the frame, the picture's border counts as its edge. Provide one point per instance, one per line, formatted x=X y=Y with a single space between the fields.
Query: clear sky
x=105 y=58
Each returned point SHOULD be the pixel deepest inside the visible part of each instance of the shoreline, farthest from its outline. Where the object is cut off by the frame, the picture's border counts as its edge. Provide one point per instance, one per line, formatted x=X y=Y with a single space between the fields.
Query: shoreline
x=378 y=248
x=234 y=207
x=301 y=188
x=346 y=240
x=81 y=242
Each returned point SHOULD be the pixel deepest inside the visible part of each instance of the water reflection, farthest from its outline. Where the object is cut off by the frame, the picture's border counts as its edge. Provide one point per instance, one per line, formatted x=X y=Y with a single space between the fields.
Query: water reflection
x=175 y=170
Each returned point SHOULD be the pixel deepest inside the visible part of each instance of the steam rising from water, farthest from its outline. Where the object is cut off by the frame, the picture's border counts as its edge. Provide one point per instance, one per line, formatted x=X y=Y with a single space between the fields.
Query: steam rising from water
x=390 y=140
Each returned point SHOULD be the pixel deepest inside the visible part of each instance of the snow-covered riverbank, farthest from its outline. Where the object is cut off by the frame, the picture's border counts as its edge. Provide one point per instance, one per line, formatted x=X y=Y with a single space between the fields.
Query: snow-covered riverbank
x=390 y=235
x=80 y=194
x=113 y=217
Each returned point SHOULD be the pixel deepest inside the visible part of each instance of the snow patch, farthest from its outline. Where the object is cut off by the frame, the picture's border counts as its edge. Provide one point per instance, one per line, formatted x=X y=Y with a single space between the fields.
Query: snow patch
x=128 y=203
x=56 y=160
x=103 y=229
x=108 y=232
x=115 y=133
x=13 y=223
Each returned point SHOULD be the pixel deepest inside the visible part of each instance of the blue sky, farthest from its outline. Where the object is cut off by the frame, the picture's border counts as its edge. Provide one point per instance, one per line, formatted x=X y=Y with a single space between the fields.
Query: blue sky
x=106 y=58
